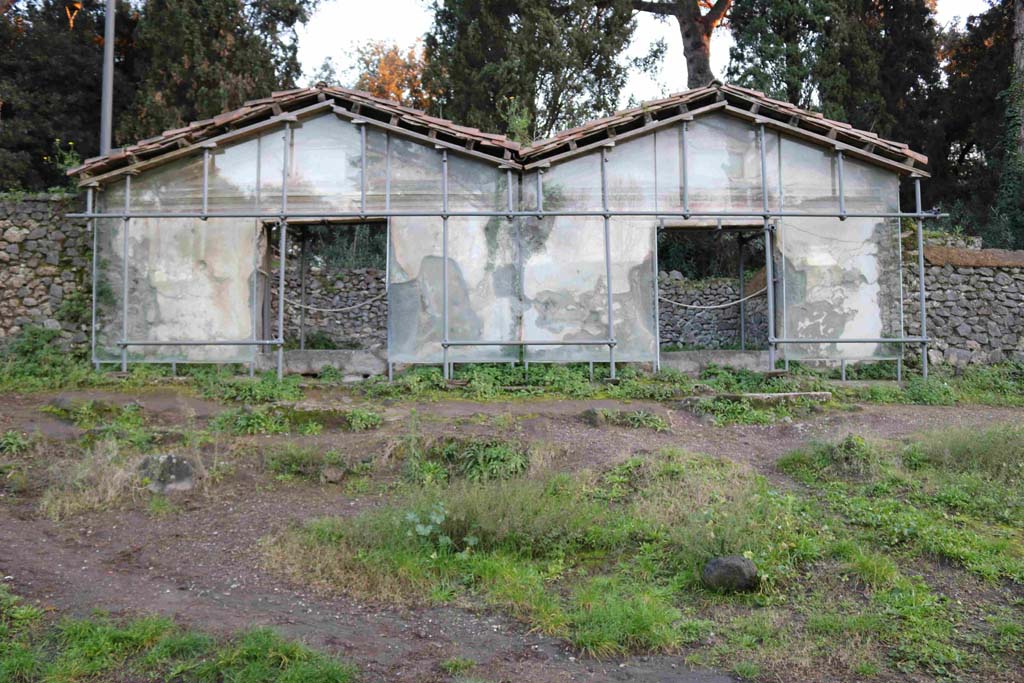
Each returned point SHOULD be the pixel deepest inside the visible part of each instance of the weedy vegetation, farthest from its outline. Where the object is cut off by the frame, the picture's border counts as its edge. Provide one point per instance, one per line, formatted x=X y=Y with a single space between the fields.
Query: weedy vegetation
x=34 y=648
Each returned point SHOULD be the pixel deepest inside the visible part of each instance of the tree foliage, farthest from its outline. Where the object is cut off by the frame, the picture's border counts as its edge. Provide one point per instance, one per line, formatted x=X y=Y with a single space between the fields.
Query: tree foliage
x=528 y=66
x=50 y=87
x=198 y=58
x=388 y=71
x=175 y=61
x=778 y=46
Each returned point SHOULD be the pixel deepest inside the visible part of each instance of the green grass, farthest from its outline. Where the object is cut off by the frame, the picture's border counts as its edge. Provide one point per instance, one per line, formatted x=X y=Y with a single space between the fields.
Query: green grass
x=956 y=494
x=556 y=553
x=444 y=460
x=251 y=421
x=611 y=561
x=293 y=461
x=33 y=648
x=636 y=419
x=361 y=419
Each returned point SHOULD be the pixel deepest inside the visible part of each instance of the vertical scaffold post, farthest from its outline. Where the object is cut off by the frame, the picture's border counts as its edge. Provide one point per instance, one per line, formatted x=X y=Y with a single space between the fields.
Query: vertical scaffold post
x=768 y=255
x=124 y=273
x=282 y=248
x=769 y=275
x=657 y=302
x=387 y=248
x=920 y=278
x=90 y=202
x=608 y=261
x=206 y=181
x=362 y=171
x=743 y=304
x=258 y=230
x=302 y=287
x=842 y=188
x=685 y=161
x=444 y=259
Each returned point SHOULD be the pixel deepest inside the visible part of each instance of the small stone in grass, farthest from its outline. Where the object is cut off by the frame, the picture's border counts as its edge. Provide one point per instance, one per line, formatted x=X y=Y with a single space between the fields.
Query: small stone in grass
x=730 y=574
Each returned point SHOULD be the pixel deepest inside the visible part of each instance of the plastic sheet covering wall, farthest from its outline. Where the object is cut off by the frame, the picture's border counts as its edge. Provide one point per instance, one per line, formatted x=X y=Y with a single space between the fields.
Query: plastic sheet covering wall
x=724 y=165
x=840 y=279
x=565 y=288
x=187 y=280
x=483 y=281
x=565 y=280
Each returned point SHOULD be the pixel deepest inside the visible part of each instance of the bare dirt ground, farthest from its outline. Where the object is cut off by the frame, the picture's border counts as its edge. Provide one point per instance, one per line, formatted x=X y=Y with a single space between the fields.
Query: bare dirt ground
x=202 y=564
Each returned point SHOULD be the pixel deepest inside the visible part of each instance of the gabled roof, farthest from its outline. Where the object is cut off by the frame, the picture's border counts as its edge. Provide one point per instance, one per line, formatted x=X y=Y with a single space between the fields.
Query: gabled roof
x=734 y=100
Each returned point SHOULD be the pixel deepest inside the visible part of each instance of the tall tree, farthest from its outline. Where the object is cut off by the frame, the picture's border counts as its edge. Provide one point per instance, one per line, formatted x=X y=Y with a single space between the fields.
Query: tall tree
x=527 y=66
x=695 y=28
x=1006 y=227
x=385 y=70
x=50 y=87
x=777 y=46
x=198 y=58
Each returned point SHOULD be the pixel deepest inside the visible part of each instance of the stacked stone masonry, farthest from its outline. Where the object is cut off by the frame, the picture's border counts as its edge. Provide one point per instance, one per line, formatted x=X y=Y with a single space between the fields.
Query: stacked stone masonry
x=975 y=311
x=44 y=267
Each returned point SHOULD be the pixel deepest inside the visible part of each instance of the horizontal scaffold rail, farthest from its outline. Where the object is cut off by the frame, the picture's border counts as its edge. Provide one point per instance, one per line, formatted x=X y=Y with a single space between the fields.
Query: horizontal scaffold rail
x=596 y=213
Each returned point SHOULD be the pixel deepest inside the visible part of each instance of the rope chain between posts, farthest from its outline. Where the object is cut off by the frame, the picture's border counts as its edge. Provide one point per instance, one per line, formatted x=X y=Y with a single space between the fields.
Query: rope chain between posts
x=708 y=308
x=669 y=301
x=335 y=310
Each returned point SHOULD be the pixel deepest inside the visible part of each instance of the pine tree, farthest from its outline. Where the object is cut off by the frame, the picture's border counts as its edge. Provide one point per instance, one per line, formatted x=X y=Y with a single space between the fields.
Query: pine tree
x=777 y=46
x=50 y=88
x=531 y=65
x=197 y=58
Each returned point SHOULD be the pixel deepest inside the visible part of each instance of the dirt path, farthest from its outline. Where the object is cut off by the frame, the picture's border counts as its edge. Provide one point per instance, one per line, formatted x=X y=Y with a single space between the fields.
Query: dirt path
x=201 y=565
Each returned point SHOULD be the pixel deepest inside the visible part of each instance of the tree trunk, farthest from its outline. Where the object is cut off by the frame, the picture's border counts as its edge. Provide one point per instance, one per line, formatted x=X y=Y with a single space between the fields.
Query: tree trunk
x=697 y=49
x=695 y=29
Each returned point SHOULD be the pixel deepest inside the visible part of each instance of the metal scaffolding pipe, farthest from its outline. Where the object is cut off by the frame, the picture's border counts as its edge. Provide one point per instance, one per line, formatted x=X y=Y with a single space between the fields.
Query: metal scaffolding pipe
x=283 y=246
x=124 y=269
x=107 y=87
x=685 y=170
x=539 y=342
x=863 y=340
x=770 y=291
x=302 y=288
x=446 y=371
x=595 y=213
x=608 y=260
x=920 y=280
x=842 y=189
x=89 y=199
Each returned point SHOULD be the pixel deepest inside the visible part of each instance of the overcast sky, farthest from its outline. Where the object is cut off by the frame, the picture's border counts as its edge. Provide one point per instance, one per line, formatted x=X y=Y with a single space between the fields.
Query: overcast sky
x=337 y=25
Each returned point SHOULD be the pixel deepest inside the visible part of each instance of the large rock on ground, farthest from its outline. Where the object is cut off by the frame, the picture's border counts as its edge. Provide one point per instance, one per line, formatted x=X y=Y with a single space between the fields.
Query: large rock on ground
x=732 y=573
x=167 y=473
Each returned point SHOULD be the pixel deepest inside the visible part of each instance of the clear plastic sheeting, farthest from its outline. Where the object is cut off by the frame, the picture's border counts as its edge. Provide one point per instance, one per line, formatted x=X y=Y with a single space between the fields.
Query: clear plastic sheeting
x=326 y=165
x=724 y=165
x=483 y=292
x=840 y=279
x=566 y=299
x=188 y=280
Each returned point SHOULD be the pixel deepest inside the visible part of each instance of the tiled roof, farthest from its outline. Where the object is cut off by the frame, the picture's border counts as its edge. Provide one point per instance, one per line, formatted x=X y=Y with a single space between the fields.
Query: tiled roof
x=750 y=103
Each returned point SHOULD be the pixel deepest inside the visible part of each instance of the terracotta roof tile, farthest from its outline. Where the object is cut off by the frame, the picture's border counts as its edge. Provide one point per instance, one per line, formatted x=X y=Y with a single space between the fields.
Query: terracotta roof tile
x=499 y=146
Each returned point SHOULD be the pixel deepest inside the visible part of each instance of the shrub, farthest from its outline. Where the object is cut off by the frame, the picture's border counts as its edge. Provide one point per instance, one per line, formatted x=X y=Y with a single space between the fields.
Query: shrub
x=483 y=460
x=304 y=462
x=251 y=421
x=13 y=442
x=360 y=419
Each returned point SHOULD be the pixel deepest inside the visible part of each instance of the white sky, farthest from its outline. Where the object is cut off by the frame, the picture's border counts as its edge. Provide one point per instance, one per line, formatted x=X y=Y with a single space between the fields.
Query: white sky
x=337 y=25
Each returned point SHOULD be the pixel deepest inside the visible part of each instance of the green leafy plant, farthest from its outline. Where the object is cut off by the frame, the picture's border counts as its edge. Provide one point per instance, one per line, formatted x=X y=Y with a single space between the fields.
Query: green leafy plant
x=13 y=442
x=360 y=419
